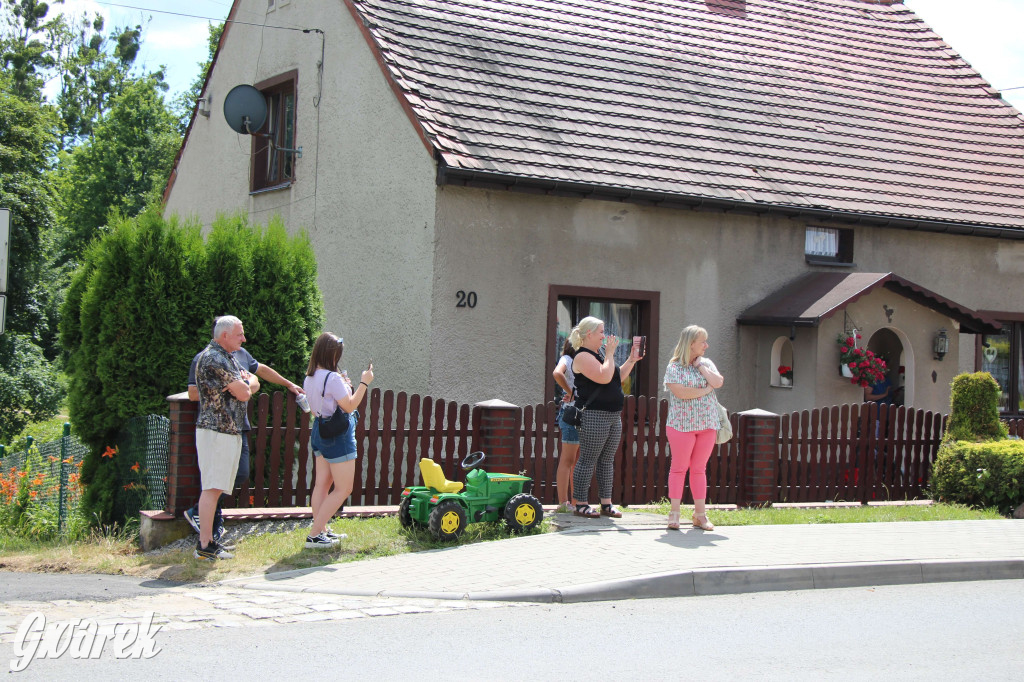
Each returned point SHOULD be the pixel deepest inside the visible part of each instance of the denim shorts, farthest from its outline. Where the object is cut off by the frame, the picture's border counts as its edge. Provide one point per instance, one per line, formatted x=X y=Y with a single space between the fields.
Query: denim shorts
x=570 y=434
x=335 y=450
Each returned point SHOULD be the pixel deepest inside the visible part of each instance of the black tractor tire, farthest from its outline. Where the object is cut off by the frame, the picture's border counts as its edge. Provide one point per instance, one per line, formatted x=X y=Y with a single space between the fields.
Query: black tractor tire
x=405 y=513
x=447 y=521
x=523 y=512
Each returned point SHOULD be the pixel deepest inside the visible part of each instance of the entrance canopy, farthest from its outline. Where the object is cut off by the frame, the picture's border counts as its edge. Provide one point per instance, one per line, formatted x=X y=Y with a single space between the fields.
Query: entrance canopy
x=820 y=295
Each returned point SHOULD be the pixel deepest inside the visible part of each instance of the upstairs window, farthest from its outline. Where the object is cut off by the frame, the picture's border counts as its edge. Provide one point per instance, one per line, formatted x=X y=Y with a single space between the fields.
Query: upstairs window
x=273 y=168
x=828 y=246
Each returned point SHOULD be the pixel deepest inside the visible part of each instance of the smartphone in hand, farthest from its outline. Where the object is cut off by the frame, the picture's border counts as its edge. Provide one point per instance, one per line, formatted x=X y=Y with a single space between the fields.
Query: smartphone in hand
x=639 y=346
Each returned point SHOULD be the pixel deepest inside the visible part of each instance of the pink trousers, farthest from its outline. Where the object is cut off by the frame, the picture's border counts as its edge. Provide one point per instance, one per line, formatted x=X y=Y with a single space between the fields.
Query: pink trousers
x=690 y=450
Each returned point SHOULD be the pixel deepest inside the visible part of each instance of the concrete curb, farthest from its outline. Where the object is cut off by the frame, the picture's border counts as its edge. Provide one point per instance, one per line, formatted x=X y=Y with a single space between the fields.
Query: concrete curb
x=710 y=581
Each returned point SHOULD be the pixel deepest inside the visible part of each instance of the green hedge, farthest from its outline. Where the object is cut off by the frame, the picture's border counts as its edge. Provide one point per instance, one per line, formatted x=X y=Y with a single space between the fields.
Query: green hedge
x=142 y=305
x=981 y=475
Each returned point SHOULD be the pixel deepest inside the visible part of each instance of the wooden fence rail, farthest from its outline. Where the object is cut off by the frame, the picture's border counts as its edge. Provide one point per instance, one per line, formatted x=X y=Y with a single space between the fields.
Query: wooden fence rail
x=854 y=452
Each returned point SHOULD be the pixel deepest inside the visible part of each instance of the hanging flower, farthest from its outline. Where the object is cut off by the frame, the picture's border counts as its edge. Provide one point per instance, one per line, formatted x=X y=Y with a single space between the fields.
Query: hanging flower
x=867 y=368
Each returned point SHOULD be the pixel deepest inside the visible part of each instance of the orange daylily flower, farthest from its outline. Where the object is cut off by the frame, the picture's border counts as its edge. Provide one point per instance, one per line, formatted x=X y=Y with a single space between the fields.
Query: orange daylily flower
x=135 y=467
x=110 y=452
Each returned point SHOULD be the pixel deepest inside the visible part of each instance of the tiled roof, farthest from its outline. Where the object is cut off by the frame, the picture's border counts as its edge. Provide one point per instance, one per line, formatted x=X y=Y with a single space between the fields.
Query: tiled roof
x=846 y=106
x=806 y=301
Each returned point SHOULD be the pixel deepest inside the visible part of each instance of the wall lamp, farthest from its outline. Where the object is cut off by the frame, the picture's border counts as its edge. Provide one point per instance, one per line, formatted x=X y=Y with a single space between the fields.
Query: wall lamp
x=941 y=344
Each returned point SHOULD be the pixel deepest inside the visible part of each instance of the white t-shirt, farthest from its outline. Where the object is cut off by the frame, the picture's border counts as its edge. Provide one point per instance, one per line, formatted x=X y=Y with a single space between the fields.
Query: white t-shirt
x=336 y=388
x=570 y=378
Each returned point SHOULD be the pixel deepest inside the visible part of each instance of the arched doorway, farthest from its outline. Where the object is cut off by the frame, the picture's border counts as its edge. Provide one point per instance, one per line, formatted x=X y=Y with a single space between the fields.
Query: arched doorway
x=889 y=345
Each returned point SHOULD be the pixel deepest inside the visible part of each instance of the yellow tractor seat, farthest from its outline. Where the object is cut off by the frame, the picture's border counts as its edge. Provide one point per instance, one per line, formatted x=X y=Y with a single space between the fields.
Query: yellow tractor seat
x=433 y=477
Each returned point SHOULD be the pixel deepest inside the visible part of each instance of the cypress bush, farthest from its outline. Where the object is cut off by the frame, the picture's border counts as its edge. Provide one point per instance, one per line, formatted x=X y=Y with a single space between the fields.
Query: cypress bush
x=142 y=305
x=974 y=409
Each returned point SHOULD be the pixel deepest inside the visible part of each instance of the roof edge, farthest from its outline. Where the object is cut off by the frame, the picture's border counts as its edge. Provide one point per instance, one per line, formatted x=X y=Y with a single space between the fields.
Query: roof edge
x=466 y=177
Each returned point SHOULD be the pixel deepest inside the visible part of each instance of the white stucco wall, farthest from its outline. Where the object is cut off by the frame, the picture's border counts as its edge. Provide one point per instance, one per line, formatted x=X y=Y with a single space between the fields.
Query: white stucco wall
x=364 y=187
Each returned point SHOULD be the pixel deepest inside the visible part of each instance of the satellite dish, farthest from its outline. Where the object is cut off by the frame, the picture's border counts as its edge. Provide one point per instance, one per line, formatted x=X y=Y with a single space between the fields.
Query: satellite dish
x=245 y=109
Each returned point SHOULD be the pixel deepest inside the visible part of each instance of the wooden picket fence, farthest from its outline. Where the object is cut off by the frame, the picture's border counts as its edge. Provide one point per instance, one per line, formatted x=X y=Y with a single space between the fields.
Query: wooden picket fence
x=850 y=452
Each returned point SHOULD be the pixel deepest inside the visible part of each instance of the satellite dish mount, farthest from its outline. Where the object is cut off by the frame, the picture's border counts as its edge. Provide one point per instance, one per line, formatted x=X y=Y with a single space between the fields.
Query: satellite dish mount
x=245 y=110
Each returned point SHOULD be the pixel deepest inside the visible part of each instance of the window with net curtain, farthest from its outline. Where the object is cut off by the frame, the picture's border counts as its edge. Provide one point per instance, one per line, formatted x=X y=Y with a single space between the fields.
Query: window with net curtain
x=828 y=245
x=621 y=318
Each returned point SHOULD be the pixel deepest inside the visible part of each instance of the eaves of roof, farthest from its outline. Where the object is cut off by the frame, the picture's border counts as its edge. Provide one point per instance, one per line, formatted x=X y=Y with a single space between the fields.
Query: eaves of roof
x=816 y=296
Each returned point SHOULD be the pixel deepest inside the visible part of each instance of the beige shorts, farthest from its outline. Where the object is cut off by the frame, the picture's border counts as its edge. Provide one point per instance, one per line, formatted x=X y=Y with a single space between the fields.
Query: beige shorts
x=218 y=459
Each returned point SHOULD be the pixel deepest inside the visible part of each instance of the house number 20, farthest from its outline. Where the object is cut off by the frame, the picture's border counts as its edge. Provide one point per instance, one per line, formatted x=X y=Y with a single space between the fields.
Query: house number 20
x=466 y=299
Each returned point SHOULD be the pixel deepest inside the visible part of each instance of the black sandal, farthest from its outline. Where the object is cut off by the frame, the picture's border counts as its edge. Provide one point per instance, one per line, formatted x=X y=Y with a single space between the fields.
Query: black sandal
x=610 y=510
x=587 y=511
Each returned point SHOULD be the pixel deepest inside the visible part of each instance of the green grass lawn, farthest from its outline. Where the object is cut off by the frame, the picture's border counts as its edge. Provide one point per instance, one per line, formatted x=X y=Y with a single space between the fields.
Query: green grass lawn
x=117 y=553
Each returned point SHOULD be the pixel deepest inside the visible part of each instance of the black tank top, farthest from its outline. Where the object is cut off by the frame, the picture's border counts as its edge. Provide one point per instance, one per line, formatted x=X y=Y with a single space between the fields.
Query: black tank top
x=606 y=397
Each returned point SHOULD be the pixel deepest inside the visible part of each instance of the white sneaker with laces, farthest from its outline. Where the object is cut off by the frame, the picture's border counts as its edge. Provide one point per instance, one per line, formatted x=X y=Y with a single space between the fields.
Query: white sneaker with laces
x=319 y=542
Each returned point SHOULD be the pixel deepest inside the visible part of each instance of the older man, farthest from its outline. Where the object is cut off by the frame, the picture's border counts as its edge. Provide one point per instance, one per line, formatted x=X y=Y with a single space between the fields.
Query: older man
x=248 y=363
x=224 y=388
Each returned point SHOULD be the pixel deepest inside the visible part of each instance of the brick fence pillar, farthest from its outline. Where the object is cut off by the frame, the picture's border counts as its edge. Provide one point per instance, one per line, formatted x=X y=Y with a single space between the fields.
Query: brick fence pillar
x=182 y=464
x=499 y=435
x=758 y=438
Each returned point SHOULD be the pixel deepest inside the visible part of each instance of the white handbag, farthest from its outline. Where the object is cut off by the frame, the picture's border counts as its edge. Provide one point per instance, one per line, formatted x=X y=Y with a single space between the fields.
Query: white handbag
x=725 y=430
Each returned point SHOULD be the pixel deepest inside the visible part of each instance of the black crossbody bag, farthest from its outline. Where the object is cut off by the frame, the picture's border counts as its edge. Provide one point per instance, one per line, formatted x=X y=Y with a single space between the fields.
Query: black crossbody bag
x=335 y=425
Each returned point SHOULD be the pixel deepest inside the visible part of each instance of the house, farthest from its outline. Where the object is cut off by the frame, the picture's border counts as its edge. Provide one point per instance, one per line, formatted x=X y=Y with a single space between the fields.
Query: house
x=476 y=175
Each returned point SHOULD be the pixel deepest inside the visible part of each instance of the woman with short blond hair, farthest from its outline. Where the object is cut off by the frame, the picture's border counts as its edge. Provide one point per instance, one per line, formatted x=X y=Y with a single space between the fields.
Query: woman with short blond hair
x=693 y=422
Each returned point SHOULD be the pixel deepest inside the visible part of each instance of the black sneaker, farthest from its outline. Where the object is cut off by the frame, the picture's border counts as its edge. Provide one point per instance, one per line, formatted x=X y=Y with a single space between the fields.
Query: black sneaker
x=193 y=519
x=320 y=542
x=212 y=552
x=331 y=535
x=218 y=532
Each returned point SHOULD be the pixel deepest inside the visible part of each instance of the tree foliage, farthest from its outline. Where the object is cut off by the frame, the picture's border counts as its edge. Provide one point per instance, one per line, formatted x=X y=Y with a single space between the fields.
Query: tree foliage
x=141 y=306
x=28 y=138
x=122 y=168
x=30 y=390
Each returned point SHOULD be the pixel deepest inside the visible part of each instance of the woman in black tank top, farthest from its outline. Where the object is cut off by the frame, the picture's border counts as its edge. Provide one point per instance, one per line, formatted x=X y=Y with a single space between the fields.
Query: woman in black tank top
x=599 y=395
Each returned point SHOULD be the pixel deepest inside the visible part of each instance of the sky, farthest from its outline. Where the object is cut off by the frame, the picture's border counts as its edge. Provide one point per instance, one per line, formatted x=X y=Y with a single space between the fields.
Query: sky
x=985 y=32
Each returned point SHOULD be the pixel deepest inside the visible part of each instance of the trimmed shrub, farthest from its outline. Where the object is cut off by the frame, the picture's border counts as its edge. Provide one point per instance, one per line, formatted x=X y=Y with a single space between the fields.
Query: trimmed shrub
x=974 y=409
x=981 y=475
x=142 y=305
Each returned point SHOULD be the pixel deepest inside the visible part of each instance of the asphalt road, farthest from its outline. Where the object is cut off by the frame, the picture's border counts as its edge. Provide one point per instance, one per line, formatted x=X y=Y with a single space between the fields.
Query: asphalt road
x=905 y=632
x=48 y=586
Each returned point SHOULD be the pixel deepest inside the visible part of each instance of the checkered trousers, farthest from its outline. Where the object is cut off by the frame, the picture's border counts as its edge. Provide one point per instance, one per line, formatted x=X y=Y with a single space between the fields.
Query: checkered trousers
x=600 y=434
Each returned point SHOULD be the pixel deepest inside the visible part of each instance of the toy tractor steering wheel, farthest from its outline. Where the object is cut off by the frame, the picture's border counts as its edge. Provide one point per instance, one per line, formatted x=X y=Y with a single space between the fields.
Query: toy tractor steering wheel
x=473 y=460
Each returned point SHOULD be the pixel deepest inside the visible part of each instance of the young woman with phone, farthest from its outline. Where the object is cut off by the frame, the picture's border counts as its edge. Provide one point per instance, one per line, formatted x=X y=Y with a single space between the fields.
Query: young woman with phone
x=599 y=390
x=693 y=422
x=335 y=458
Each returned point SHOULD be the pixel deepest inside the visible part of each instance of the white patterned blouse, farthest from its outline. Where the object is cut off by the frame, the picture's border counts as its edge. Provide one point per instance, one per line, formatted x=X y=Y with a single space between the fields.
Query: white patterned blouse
x=695 y=414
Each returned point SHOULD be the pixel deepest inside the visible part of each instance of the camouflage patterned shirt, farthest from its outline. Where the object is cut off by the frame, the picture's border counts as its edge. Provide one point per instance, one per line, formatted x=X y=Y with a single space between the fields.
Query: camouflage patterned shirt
x=218 y=409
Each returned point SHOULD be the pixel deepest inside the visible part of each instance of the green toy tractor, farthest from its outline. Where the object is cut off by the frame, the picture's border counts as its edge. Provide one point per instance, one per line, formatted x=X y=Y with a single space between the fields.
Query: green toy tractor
x=443 y=507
